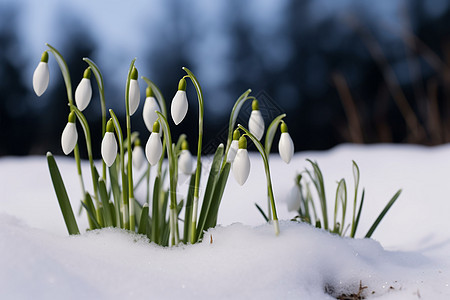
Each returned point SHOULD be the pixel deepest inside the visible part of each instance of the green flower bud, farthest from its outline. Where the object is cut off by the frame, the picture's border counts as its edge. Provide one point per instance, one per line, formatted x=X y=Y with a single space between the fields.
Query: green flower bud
x=87 y=73
x=156 y=127
x=134 y=74
x=283 y=127
x=182 y=84
x=149 y=92
x=255 y=105
x=72 y=117
x=110 y=126
x=242 y=142
x=44 y=57
x=236 y=135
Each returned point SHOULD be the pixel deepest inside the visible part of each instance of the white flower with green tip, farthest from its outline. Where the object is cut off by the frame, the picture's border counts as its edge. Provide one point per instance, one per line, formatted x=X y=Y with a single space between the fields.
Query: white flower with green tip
x=234 y=147
x=41 y=75
x=153 y=148
x=138 y=155
x=134 y=94
x=109 y=145
x=256 y=121
x=179 y=104
x=83 y=93
x=150 y=108
x=241 y=163
x=185 y=161
x=285 y=145
x=69 y=136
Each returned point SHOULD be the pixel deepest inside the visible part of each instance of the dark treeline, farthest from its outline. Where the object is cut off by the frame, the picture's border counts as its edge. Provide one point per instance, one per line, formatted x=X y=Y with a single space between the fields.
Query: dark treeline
x=347 y=78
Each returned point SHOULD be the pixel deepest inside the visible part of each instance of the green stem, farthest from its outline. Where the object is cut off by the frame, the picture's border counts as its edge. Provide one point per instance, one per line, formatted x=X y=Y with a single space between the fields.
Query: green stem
x=130 y=169
x=199 y=153
x=87 y=134
x=99 y=78
x=260 y=148
x=172 y=180
x=233 y=117
x=126 y=218
x=66 y=75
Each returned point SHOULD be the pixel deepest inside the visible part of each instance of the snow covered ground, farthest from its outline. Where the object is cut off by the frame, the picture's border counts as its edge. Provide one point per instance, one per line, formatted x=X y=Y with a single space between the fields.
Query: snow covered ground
x=408 y=258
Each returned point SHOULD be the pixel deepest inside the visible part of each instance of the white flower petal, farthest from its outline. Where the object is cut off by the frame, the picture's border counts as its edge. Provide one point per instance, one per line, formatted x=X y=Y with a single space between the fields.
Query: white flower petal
x=293 y=199
x=241 y=166
x=185 y=162
x=256 y=124
x=286 y=147
x=149 y=113
x=179 y=107
x=233 y=150
x=138 y=157
x=40 y=78
x=83 y=93
x=69 y=138
x=134 y=96
x=153 y=148
x=109 y=148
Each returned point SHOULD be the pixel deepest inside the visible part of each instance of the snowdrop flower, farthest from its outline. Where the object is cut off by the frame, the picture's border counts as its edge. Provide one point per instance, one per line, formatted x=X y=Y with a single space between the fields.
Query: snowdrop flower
x=138 y=155
x=41 y=75
x=185 y=161
x=293 y=199
x=83 y=93
x=179 y=105
x=150 y=107
x=153 y=148
x=109 y=144
x=69 y=136
x=241 y=164
x=234 y=146
x=134 y=93
x=285 y=145
x=256 y=121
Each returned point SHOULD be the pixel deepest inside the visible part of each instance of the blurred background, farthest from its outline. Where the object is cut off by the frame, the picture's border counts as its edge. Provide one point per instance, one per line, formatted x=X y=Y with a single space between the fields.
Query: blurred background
x=344 y=71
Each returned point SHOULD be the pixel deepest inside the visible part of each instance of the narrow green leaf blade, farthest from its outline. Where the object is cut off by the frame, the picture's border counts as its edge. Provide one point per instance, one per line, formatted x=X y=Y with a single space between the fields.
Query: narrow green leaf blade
x=107 y=217
x=61 y=195
x=143 y=222
x=383 y=213
x=270 y=133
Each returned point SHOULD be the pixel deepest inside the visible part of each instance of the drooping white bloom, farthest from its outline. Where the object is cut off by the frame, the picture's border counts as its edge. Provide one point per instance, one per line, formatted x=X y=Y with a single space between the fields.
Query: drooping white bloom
x=41 y=75
x=185 y=161
x=134 y=93
x=109 y=145
x=150 y=107
x=153 y=148
x=256 y=121
x=293 y=199
x=138 y=157
x=285 y=145
x=179 y=104
x=234 y=146
x=83 y=93
x=241 y=163
x=69 y=136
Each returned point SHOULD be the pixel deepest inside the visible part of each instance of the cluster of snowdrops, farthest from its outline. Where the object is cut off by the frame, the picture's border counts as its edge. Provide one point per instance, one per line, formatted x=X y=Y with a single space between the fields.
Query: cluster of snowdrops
x=112 y=201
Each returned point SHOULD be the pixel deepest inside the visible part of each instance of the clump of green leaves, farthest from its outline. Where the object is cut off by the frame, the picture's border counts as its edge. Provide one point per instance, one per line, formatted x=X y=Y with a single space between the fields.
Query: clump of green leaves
x=311 y=181
x=113 y=203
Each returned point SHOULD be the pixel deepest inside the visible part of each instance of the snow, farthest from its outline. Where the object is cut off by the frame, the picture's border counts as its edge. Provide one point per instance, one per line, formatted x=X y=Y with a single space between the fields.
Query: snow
x=408 y=257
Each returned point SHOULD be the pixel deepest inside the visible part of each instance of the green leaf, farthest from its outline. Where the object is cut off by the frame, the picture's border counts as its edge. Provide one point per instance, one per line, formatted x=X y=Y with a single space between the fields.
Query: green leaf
x=142 y=229
x=356 y=177
x=383 y=213
x=353 y=233
x=270 y=133
x=114 y=180
x=61 y=195
x=318 y=182
x=155 y=237
x=262 y=212
x=188 y=209
x=105 y=201
x=341 y=198
x=90 y=209
x=211 y=220
x=212 y=179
